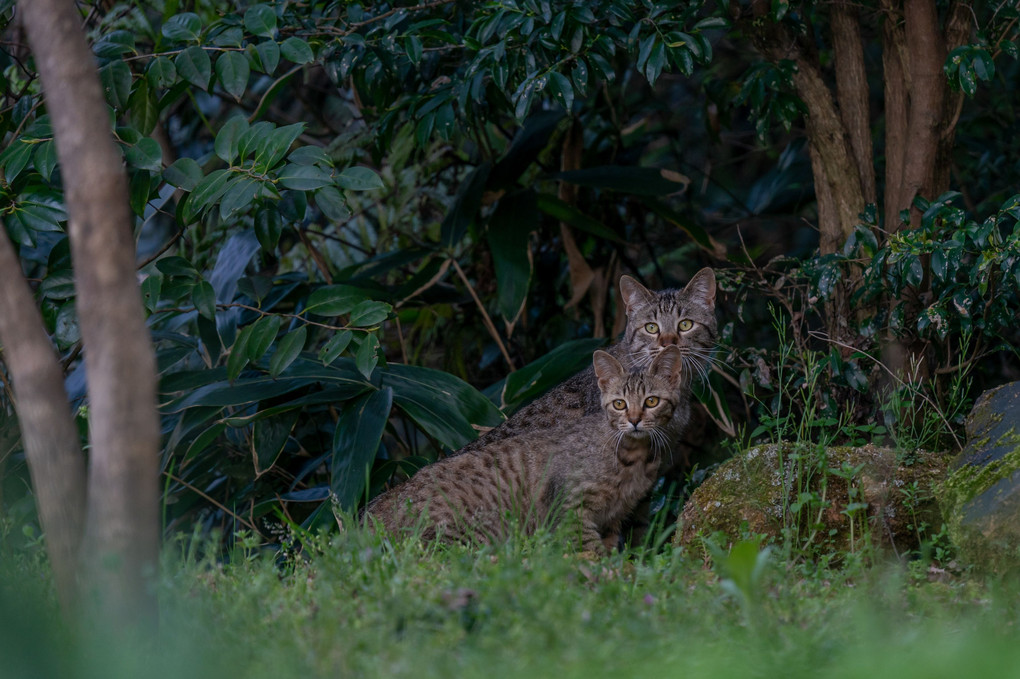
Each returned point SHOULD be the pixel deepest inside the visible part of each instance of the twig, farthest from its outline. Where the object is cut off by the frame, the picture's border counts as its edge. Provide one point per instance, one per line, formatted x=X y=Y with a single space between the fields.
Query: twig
x=237 y=517
x=825 y=338
x=159 y=253
x=485 y=315
x=320 y=261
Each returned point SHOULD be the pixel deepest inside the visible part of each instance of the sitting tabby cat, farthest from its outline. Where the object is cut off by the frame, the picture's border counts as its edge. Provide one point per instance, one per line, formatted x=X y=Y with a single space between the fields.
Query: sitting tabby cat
x=655 y=320
x=596 y=466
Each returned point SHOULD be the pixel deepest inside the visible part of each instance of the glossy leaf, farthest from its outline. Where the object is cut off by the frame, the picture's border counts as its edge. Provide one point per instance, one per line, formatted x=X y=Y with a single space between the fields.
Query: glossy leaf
x=367 y=355
x=445 y=407
x=546 y=372
x=296 y=50
x=263 y=332
x=194 y=65
x=184 y=173
x=115 y=78
x=232 y=70
x=268 y=227
x=183 y=27
x=268 y=53
x=359 y=179
x=356 y=439
x=336 y=345
x=145 y=155
x=509 y=236
x=228 y=138
x=260 y=20
x=204 y=299
x=287 y=350
x=334 y=300
x=304 y=177
x=369 y=313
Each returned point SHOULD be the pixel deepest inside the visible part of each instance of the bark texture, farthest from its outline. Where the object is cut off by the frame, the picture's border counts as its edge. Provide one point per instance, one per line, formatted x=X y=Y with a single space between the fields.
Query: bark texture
x=48 y=432
x=121 y=535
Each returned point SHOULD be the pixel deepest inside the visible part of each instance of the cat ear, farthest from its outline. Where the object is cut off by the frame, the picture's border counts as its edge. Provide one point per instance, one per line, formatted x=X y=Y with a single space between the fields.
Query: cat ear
x=702 y=286
x=606 y=367
x=668 y=363
x=634 y=294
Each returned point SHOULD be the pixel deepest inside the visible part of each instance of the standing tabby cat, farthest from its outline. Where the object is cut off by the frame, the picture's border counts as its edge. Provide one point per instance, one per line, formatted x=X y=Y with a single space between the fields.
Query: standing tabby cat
x=596 y=466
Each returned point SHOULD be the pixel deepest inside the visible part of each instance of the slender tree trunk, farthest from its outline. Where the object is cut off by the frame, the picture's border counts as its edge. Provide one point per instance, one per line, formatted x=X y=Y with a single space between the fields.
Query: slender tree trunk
x=121 y=535
x=48 y=432
x=852 y=91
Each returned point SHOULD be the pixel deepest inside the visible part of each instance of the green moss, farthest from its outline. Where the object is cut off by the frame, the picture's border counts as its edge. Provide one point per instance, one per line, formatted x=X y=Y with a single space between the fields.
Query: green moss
x=994 y=552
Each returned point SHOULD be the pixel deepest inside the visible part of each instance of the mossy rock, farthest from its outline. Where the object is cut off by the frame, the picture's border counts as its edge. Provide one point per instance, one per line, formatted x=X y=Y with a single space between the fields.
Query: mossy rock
x=981 y=497
x=774 y=489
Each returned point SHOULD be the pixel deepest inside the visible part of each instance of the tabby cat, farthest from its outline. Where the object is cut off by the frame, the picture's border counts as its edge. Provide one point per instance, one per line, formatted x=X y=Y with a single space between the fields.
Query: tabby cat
x=595 y=467
x=655 y=320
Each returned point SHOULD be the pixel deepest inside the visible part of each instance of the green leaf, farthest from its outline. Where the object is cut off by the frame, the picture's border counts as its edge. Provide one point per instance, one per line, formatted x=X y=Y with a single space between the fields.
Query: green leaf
x=45 y=159
x=204 y=299
x=304 y=177
x=145 y=155
x=332 y=204
x=443 y=406
x=359 y=178
x=161 y=72
x=335 y=300
x=269 y=436
x=267 y=55
x=263 y=332
x=239 y=194
x=151 y=287
x=238 y=357
x=206 y=192
x=562 y=89
x=143 y=107
x=184 y=27
x=194 y=65
x=639 y=181
x=287 y=350
x=359 y=430
x=465 y=206
x=548 y=371
x=369 y=313
x=260 y=20
x=14 y=159
x=367 y=356
x=277 y=144
x=268 y=227
x=413 y=49
x=309 y=155
x=509 y=233
x=232 y=69
x=254 y=138
x=58 y=285
x=115 y=78
x=554 y=207
x=184 y=173
x=296 y=51
x=228 y=138
x=335 y=346
x=176 y=266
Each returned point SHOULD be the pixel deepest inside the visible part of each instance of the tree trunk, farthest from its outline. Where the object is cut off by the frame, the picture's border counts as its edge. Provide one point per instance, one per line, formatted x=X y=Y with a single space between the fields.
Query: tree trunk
x=122 y=524
x=48 y=432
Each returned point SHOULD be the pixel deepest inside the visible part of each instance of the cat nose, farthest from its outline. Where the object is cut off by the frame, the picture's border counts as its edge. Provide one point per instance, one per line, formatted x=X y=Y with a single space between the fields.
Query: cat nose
x=667 y=338
x=634 y=420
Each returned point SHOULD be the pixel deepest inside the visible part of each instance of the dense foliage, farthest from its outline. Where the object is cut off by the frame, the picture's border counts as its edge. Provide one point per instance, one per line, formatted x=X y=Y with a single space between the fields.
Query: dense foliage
x=353 y=218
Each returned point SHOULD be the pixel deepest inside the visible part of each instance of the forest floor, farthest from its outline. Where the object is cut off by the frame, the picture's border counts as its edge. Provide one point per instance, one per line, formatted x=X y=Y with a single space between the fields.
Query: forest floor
x=353 y=605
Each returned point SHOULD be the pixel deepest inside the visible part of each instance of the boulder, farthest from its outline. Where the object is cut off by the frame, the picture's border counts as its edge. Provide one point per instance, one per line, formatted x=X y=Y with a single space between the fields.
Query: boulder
x=837 y=498
x=981 y=497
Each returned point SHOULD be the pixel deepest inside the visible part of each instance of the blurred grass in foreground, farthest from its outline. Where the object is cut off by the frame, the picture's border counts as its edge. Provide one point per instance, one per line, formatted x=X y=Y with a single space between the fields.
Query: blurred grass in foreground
x=352 y=605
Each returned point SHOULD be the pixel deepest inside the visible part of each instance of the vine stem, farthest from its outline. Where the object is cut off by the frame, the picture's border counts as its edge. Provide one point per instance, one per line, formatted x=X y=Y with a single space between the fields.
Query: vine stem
x=485 y=315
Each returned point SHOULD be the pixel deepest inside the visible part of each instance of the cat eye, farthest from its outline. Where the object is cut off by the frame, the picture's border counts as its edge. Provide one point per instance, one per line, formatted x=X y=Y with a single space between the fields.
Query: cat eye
x=651 y=401
x=619 y=404
x=652 y=328
x=685 y=325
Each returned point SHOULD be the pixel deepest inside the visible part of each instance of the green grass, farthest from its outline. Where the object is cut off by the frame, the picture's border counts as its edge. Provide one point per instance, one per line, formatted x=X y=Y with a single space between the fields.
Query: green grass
x=353 y=605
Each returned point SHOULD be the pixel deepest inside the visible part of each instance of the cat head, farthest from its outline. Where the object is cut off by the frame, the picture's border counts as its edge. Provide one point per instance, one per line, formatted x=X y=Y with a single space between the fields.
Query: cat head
x=682 y=318
x=643 y=399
